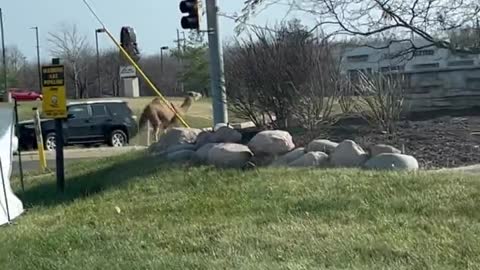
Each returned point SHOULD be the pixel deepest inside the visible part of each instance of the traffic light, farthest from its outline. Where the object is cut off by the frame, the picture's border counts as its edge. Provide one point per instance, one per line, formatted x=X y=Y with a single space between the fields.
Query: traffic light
x=192 y=20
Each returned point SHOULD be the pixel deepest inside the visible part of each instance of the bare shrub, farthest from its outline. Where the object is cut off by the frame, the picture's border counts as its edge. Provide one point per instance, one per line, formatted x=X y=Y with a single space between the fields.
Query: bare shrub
x=381 y=98
x=347 y=100
x=285 y=75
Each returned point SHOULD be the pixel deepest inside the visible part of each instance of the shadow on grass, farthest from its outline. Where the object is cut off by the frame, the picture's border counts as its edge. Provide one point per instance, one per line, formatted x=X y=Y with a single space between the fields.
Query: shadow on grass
x=119 y=171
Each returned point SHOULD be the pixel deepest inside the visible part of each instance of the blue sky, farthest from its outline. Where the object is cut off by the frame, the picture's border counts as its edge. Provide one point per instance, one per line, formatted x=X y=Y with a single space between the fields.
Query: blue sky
x=155 y=21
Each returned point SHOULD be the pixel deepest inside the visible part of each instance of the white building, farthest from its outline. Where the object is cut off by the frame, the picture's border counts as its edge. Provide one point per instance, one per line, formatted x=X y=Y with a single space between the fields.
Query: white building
x=438 y=78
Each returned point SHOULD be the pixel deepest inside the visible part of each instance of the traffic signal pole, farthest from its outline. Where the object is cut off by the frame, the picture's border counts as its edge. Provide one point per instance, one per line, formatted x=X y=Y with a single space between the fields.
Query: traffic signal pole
x=219 y=95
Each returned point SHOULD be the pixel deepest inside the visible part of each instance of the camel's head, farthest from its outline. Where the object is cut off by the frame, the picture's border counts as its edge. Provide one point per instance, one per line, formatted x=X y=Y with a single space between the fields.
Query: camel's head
x=194 y=95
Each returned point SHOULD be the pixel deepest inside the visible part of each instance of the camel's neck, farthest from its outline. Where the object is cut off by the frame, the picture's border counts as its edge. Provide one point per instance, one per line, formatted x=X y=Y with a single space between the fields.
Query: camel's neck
x=186 y=104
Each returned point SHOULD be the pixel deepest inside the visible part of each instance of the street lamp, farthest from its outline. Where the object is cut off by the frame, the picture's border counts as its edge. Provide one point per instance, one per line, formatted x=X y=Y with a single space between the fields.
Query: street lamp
x=4 y=59
x=38 y=59
x=161 y=56
x=101 y=30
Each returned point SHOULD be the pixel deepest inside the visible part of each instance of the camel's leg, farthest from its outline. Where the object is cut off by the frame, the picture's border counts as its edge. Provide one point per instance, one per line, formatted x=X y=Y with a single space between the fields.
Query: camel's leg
x=157 y=129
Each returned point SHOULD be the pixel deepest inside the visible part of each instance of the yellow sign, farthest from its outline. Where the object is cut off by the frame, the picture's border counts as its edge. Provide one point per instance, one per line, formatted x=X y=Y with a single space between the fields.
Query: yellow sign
x=54 y=93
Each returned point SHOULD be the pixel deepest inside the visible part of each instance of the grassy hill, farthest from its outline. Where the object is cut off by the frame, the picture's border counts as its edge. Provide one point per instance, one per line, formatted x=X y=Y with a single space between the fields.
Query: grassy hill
x=130 y=212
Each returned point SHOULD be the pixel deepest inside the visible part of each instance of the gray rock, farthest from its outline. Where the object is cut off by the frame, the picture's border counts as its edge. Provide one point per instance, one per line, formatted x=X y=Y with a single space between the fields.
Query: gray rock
x=175 y=136
x=311 y=159
x=378 y=149
x=289 y=157
x=348 y=154
x=205 y=137
x=180 y=156
x=392 y=161
x=178 y=147
x=201 y=154
x=229 y=155
x=226 y=135
x=326 y=146
x=271 y=142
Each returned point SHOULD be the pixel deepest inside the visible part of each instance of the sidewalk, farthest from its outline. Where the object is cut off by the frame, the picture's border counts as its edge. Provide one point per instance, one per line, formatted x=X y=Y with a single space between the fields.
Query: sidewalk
x=82 y=152
x=472 y=169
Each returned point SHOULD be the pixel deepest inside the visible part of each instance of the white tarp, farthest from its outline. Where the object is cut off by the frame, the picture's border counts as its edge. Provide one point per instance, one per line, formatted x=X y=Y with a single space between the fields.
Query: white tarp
x=15 y=206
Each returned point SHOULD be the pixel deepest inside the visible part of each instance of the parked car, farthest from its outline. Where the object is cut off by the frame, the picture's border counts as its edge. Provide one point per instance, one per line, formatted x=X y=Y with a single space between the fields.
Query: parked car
x=25 y=95
x=88 y=123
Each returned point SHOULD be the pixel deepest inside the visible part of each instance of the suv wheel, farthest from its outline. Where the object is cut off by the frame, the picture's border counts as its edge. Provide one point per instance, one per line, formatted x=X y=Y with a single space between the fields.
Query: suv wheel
x=49 y=142
x=117 y=138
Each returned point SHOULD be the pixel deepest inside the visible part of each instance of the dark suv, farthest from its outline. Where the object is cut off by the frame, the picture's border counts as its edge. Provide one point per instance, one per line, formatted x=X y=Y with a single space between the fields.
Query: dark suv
x=88 y=123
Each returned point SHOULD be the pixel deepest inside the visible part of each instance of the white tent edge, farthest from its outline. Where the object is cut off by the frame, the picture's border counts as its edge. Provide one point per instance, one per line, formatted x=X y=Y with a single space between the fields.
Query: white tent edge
x=10 y=205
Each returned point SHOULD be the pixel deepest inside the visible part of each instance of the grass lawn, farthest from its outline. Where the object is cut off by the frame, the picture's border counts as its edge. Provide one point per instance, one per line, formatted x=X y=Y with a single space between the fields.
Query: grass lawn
x=130 y=212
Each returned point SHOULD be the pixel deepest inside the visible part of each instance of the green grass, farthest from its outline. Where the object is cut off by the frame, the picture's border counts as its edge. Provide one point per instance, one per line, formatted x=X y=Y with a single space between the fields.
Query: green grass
x=202 y=218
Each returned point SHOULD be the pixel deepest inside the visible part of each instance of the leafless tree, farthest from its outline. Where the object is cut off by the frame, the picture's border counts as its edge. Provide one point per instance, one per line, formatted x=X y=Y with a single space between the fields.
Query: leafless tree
x=72 y=46
x=284 y=75
x=395 y=20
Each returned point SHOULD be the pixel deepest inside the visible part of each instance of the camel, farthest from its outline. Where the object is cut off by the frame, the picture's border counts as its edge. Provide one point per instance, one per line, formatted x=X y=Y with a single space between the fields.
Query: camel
x=161 y=116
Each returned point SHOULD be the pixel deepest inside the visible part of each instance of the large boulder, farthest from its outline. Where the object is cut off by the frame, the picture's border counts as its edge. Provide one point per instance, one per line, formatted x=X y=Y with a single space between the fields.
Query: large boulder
x=201 y=154
x=229 y=155
x=289 y=157
x=325 y=146
x=225 y=134
x=348 y=154
x=392 y=161
x=378 y=149
x=175 y=136
x=203 y=138
x=311 y=159
x=271 y=142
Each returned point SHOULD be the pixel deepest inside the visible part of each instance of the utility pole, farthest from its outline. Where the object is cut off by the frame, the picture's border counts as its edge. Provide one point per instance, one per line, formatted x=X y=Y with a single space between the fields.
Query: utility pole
x=161 y=57
x=38 y=60
x=99 y=81
x=184 y=42
x=4 y=62
x=179 y=53
x=219 y=96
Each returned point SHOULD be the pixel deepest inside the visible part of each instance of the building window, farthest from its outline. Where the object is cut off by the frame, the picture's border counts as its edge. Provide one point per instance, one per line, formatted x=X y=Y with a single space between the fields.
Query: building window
x=392 y=68
x=423 y=52
x=358 y=58
x=427 y=66
x=473 y=83
x=461 y=63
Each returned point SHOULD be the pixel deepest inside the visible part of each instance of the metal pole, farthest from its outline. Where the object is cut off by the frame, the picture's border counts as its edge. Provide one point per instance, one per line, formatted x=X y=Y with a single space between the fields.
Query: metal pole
x=161 y=60
x=219 y=97
x=4 y=62
x=180 y=61
x=38 y=61
x=19 y=151
x=59 y=159
x=98 y=64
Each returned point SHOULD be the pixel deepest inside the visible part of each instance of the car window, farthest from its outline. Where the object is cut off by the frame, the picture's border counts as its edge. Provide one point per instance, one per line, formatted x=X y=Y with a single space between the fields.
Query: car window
x=119 y=109
x=99 y=110
x=79 y=111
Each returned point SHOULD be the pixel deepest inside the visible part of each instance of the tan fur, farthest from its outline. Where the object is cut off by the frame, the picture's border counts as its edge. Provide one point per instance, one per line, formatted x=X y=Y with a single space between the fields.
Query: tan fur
x=162 y=117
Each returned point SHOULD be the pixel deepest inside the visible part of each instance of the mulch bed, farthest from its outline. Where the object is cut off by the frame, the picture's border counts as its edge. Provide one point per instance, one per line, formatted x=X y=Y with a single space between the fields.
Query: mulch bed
x=444 y=142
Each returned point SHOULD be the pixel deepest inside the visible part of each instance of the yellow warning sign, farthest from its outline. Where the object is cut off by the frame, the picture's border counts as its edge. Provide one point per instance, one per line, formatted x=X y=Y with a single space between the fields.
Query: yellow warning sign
x=54 y=93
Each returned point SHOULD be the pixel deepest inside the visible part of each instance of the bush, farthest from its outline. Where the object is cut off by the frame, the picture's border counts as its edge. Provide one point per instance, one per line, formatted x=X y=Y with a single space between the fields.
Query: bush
x=284 y=75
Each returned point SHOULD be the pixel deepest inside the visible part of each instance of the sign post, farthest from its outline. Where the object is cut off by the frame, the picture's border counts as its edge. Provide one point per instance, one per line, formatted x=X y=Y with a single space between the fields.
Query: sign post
x=55 y=106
